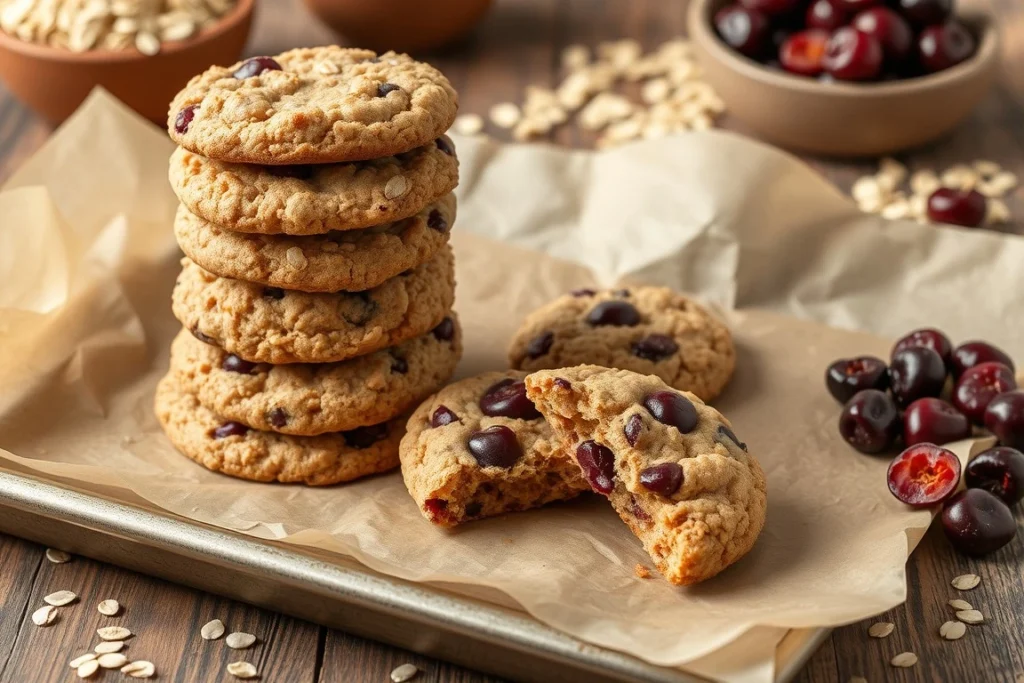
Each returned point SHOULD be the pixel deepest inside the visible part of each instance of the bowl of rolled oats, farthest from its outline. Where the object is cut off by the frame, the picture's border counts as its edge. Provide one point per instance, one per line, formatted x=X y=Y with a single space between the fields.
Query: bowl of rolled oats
x=54 y=52
x=834 y=117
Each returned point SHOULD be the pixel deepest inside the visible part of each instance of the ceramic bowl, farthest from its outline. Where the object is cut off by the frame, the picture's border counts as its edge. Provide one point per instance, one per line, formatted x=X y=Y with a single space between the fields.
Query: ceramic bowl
x=54 y=81
x=843 y=119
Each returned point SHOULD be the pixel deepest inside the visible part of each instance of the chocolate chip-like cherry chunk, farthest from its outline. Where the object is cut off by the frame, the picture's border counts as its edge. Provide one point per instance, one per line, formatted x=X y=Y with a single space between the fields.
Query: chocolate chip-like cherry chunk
x=275 y=293
x=384 y=88
x=437 y=508
x=495 y=446
x=1000 y=471
x=978 y=523
x=663 y=479
x=972 y=353
x=929 y=338
x=435 y=221
x=726 y=433
x=540 y=344
x=915 y=373
x=445 y=330
x=184 y=118
x=364 y=437
x=1004 y=417
x=847 y=376
x=399 y=365
x=598 y=465
x=655 y=347
x=205 y=338
x=508 y=398
x=233 y=363
x=443 y=416
x=230 y=428
x=672 y=409
x=300 y=172
x=870 y=422
x=255 y=67
x=978 y=386
x=445 y=145
x=614 y=313
x=634 y=428
x=563 y=383
x=278 y=417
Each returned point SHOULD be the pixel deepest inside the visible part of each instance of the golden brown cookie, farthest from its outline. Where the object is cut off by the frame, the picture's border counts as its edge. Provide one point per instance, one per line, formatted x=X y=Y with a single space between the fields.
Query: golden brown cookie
x=670 y=465
x=650 y=330
x=309 y=399
x=479 y=448
x=270 y=325
x=234 y=449
x=313 y=106
x=311 y=200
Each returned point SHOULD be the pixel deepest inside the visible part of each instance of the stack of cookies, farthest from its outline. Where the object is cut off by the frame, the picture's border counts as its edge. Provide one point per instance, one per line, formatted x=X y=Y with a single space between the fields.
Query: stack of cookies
x=316 y=292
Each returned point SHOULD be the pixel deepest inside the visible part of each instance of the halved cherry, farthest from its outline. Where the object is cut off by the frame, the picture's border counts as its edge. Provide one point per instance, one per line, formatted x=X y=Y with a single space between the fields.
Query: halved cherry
x=802 y=52
x=924 y=474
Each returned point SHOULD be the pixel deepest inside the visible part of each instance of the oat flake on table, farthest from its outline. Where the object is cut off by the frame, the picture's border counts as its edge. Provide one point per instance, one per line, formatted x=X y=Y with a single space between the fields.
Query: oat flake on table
x=242 y=670
x=139 y=669
x=405 y=672
x=212 y=630
x=881 y=629
x=904 y=660
x=966 y=582
x=109 y=608
x=960 y=604
x=44 y=616
x=953 y=630
x=88 y=669
x=108 y=646
x=113 y=633
x=60 y=598
x=82 y=659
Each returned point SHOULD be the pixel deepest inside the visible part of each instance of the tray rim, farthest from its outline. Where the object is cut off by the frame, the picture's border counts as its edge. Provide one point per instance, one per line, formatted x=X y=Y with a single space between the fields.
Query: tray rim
x=34 y=494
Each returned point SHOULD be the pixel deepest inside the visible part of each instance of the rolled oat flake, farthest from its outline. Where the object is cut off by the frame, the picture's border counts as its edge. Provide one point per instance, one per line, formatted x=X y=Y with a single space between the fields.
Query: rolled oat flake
x=113 y=633
x=953 y=630
x=881 y=630
x=242 y=670
x=904 y=660
x=212 y=630
x=44 y=616
x=108 y=608
x=139 y=669
x=966 y=582
x=970 y=616
x=60 y=598
x=239 y=640
x=405 y=672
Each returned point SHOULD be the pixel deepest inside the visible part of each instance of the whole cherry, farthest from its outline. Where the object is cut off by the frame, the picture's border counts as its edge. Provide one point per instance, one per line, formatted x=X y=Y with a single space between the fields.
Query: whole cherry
x=916 y=372
x=945 y=45
x=1004 y=417
x=745 y=30
x=853 y=55
x=827 y=15
x=972 y=353
x=847 y=376
x=870 y=422
x=923 y=475
x=1000 y=471
x=932 y=420
x=978 y=386
x=890 y=29
x=930 y=338
x=977 y=523
x=925 y=12
x=957 y=207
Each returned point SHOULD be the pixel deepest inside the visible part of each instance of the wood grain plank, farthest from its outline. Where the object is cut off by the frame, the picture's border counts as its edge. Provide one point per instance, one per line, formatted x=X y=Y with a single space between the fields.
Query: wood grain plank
x=19 y=563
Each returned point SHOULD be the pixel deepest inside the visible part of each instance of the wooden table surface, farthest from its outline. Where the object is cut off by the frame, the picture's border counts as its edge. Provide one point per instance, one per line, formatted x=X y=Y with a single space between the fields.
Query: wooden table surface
x=518 y=45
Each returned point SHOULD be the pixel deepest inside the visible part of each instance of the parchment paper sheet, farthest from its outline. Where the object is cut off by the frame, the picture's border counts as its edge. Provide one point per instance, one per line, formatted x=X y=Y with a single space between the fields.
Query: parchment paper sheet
x=88 y=262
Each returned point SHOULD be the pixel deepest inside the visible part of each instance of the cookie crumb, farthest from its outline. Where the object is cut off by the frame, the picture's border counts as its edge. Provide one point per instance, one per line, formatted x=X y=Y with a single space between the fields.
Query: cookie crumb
x=641 y=571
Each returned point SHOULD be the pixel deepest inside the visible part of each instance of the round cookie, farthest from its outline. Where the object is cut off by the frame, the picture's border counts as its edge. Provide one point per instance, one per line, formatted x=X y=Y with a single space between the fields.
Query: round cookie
x=351 y=260
x=235 y=450
x=270 y=325
x=479 y=448
x=650 y=330
x=670 y=465
x=309 y=200
x=310 y=399
x=313 y=106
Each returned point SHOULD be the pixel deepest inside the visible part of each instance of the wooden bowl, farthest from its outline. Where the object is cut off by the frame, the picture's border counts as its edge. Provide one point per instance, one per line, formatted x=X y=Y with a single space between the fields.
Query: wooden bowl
x=843 y=119
x=54 y=81
x=400 y=25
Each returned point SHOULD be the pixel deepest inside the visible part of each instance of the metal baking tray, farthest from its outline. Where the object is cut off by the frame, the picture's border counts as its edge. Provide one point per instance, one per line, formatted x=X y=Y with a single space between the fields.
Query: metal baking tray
x=330 y=589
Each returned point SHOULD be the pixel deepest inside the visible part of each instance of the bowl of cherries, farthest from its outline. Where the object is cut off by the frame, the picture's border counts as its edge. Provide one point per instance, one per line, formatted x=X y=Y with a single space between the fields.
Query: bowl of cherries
x=927 y=395
x=845 y=77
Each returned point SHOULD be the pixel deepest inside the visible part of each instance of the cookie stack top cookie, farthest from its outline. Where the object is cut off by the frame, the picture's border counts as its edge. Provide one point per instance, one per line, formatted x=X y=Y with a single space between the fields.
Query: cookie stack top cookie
x=316 y=292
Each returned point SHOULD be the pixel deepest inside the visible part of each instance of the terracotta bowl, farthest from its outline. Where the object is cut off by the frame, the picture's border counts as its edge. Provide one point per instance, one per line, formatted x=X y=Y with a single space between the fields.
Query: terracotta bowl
x=54 y=81
x=400 y=25
x=843 y=119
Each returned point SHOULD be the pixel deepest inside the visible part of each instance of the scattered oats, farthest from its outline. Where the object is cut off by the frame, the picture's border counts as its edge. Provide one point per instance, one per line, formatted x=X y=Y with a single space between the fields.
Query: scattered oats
x=212 y=630
x=924 y=182
x=405 y=672
x=239 y=640
x=108 y=646
x=987 y=168
x=961 y=177
x=505 y=115
x=895 y=210
x=904 y=660
x=242 y=670
x=970 y=616
x=655 y=90
x=998 y=185
x=960 y=604
x=575 y=57
x=112 y=660
x=82 y=659
x=918 y=204
x=295 y=258
x=530 y=128
x=396 y=187
x=881 y=629
x=108 y=608
x=620 y=53
x=891 y=173
x=997 y=212
x=605 y=108
x=60 y=598
x=147 y=43
x=139 y=669
x=953 y=630
x=57 y=556
x=88 y=669
x=326 y=68
x=468 y=124
x=866 y=189
x=966 y=582
x=179 y=30
x=114 y=633
x=44 y=616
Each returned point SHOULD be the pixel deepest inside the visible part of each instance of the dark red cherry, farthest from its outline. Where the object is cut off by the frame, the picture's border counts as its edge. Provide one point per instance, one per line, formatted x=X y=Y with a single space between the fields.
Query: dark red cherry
x=540 y=344
x=932 y=420
x=802 y=52
x=663 y=479
x=977 y=523
x=634 y=428
x=495 y=446
x=771 y=7
x=233 y=363
x=443 y=416
x=972 y=353
x=870 y=422
x=672 y=409
x=914 y=373
x=614 y=313
x=744 y=30
x=598 y=465
x=847 y=376
x=256 y=66
x=230 y=429
x=925 y=12
x=924 y=475
x=853 y=55
x=888 y=28
x=1004 y=417
x=1000 y=471
x=445 y=330
x=929 y=338
x=655 y=347
x=827 y=15
x=978 y=386
x=858 y=5
x=957 y=207
x=508 y=398
x=184 y=118
x=943 y=46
